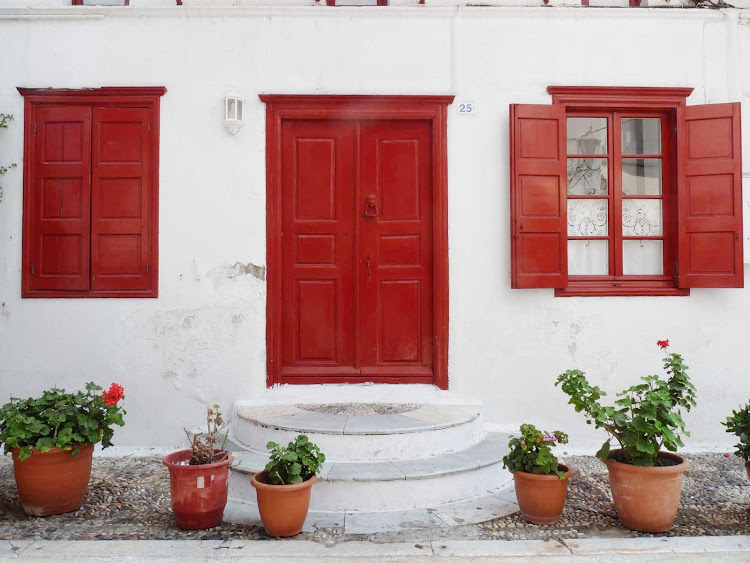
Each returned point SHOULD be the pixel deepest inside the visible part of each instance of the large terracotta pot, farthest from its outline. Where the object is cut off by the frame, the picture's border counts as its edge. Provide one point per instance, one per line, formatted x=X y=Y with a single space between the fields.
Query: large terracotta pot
x=199 y=492
x=53 y=482
x=541 y=498
x=283 y=508
x=646 y=498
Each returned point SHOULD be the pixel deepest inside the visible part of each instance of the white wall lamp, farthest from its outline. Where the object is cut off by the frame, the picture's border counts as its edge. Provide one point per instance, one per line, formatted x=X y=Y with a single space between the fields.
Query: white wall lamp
x=234 y=111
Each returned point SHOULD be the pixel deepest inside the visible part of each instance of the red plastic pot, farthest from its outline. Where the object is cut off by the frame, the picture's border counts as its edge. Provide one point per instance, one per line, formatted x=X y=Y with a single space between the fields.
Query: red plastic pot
x=199 y=492
x=53 y=482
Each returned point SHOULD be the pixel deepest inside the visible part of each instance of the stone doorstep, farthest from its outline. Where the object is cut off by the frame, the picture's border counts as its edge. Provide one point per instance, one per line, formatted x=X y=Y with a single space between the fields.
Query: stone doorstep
x=717 y=548
x=459 y=513
x=425 y=418
x=488 y=451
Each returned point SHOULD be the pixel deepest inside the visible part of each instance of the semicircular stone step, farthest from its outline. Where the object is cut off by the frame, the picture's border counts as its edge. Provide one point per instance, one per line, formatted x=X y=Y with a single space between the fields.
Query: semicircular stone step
x=392 y=485
x=422 y=431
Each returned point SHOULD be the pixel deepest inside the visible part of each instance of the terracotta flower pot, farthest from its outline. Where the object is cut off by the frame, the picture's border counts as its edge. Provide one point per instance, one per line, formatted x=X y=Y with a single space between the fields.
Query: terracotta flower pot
x=646 y=498
x=541 y=498
x=53 y=482
x=283 y=508
x=199 y=492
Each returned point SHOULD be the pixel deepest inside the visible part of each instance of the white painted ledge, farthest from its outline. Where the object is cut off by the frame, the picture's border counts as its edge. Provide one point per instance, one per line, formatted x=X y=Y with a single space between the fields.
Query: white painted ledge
x=727 y=549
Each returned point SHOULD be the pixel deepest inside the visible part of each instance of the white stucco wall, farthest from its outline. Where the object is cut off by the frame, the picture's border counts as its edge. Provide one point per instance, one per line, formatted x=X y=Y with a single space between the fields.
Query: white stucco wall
x=203 y=339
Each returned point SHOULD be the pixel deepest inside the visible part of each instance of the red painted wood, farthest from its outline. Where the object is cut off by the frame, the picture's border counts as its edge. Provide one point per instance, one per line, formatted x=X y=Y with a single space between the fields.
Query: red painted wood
x=641 y=101
x=395 y=247
x=710 y=203
x=58 y=220
x=539 y=256
x=318 y=234
x=40 y=100
x=121 y=199
x=280 y=109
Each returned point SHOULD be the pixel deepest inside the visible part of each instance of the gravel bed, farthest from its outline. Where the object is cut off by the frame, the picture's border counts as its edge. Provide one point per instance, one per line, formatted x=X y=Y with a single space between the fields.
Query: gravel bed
x=715 y=502
x=128 y=498
x=361 y=409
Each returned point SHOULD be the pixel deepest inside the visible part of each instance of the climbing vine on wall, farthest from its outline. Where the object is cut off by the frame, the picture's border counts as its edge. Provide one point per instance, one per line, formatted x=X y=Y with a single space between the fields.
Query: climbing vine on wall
x=4 y=119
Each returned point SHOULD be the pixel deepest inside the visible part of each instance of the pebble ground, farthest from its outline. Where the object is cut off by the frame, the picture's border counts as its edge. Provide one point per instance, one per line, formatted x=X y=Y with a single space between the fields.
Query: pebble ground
x=128 y=498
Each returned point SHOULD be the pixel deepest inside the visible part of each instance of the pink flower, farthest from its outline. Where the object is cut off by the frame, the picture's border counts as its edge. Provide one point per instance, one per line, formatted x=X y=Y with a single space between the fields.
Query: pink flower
x=548 y=438
x=727 y=455
x=523 y=442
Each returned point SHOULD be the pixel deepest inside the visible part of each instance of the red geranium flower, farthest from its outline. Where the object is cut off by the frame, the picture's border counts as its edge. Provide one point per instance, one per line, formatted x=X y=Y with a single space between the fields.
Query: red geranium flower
x=113 y=394
x=662 y=343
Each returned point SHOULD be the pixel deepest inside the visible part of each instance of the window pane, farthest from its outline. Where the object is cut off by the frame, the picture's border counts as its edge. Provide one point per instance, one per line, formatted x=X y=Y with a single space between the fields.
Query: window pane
x=587 y=135
x=641 y=218
x=587 y=176
x=588 y=258
x=642 y=257
x=640 y=176
x=641 y=136
x=588 y=218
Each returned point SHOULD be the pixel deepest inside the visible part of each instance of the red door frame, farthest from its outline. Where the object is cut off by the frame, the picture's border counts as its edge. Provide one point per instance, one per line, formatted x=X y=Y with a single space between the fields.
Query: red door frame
x=430 y=108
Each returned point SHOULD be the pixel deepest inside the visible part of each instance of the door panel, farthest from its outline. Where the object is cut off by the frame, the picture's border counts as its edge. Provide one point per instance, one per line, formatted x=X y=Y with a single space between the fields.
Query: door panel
x=395 y=248
x=317 y=245
x=356 y=250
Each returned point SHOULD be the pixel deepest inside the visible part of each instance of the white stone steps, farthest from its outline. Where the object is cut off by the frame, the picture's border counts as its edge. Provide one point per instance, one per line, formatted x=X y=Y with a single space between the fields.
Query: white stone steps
x=392 y=484
x=425 y=431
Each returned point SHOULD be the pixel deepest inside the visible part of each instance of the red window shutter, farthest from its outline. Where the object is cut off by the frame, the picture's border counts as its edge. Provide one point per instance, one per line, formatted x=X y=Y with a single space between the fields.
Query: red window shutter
x=539 y=256
x=59 y=194
x=710 y=196
x=121 y=199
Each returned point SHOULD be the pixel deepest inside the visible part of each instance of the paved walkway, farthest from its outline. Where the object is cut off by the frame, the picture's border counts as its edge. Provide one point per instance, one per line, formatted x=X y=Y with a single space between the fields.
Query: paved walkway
x=725 y=549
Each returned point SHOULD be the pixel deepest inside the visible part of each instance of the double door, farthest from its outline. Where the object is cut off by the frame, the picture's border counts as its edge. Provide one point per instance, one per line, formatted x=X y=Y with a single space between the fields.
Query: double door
x=357 y=261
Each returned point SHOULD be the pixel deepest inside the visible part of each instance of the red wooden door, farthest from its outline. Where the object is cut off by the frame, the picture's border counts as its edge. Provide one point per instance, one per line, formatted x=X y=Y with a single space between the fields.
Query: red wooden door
x=356 y=251
x=395 y=289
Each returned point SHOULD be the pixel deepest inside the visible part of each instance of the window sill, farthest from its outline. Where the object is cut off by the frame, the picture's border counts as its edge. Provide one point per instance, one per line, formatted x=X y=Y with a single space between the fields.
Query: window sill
x=620 y=289
x=65 y=294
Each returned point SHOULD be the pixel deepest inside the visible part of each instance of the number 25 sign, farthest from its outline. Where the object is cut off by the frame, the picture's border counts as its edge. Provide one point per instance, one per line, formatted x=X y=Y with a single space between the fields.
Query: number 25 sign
x=466 y=108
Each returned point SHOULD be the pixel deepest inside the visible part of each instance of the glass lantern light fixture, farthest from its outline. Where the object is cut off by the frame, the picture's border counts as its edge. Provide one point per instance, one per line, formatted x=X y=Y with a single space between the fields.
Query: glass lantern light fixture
x=234 y=111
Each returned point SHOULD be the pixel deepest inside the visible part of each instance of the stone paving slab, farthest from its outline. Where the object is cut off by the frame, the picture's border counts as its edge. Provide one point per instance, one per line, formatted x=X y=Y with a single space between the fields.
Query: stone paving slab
x=434 y=466
x=307 y=421
x=486 y=452
x=383 y=424
x=644 y=546
x=260 y=412
x=490 y=548
x=442 y=416
x=365 y=471
x=475 y=510
x=391 y=521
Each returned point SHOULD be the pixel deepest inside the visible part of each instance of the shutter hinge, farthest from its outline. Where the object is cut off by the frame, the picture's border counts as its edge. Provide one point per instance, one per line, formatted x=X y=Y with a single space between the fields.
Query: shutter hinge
x=149 y=127
x=148 y=268
x=32 y=269
x=34 y=129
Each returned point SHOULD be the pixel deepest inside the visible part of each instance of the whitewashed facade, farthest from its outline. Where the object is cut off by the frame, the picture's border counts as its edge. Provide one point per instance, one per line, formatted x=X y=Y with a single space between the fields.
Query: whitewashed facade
x=203 y=339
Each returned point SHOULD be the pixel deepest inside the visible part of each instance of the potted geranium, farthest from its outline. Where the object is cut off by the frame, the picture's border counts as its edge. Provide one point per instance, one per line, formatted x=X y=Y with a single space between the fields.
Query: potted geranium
x=739 y=424
x=541 y=481
x=645 y=480
x=199 y=477
x=283 y=488
x=52 y=440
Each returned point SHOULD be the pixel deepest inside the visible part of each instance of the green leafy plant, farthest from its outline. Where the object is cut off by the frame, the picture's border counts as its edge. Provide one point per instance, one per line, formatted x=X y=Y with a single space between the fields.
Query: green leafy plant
x=4 y=119
x=59 y=419
x=296 y=463
x=531 y=452
x=646 y=418
x=739 y=424
x=203 y=448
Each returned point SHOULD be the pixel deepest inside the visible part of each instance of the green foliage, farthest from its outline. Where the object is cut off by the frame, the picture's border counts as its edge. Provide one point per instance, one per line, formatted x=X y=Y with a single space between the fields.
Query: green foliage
x=58 y=419
x=739 y=424
x=531 y=451
x=296 y=463
x=646 y=418
x=4 y=119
